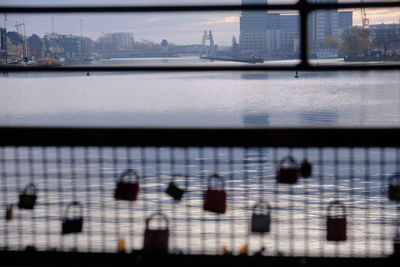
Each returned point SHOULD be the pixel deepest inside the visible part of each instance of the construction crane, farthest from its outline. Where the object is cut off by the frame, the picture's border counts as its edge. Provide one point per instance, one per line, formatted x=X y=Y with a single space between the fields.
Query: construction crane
x=364 y=19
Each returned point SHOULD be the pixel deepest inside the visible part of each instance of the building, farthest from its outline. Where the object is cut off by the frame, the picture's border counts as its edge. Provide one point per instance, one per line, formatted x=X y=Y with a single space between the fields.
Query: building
x=36 y=46
x=117 y=41
x=68 y=46
x=322 y=23
x=253 y=26
x=3 y=43
x=264 y=33
x=345 y=21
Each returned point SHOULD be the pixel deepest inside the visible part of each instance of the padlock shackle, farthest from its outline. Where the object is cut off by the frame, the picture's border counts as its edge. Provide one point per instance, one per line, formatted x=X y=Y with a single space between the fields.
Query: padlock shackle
x=76 y=204
x=129 y=173
x=30 y=189
x=263 y=206
x=336 y=204
x=216 y=177
x=288 y=159
x=160 y=214
x=394 y=179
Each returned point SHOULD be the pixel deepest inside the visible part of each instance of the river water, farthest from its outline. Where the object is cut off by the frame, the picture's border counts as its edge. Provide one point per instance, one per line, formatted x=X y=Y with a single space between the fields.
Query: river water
x=357 y=177
x=200 y=99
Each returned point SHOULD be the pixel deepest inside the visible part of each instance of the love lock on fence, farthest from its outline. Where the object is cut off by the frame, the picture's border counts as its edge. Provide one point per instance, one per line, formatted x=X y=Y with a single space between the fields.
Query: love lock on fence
x=156 y=240
x=261 y=217
x=305 y=169
x=215 y=199
x=394 y=187
x=336 y=222
x=174 y=190
x=288 y=171
x=127 y=190
x=9 y=212
x=27 y=199
x=72 y=221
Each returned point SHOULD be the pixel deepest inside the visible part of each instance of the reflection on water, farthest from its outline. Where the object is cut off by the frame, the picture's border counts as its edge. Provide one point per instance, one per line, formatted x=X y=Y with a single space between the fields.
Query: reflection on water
x=199 y=99
x=319 y=117
x=256 y=119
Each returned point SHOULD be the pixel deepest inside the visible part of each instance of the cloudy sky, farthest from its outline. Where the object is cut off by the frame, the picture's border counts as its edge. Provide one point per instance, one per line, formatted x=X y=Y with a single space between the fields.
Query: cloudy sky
x=179 y=28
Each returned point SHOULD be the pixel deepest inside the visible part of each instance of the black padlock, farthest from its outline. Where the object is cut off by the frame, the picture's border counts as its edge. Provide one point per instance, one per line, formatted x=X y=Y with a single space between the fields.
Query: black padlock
x=72 y=223
x=396 y=245
x=156 y=240
x=27 y=199
x=174 y=190
x=305 y=169
x=261 y=217
x=394 y=187
x=9 y=212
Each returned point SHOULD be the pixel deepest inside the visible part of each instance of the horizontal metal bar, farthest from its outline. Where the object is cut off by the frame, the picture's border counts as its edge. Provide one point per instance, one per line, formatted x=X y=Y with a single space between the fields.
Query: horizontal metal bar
x=194 y=68
x=38 y=258
x=191 y=8
x=201 y=137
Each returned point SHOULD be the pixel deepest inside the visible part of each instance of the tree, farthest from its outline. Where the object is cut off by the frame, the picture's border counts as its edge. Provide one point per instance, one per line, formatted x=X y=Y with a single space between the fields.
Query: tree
x=331 y=42
x=386 y=38
x=355 y=41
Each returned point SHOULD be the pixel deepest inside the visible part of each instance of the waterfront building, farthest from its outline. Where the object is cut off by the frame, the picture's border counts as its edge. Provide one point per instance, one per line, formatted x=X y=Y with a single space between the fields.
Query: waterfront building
x=253 y=26
x=345 y=21
x=15 y=45
x=72 y=47
x=322 y=23
x=264 y=33
x=3 y=43
x=117 y=41
x=36 y=46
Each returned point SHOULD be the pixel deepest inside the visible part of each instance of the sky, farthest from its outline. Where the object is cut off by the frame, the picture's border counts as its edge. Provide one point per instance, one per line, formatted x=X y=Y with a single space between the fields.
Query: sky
x=178 y=28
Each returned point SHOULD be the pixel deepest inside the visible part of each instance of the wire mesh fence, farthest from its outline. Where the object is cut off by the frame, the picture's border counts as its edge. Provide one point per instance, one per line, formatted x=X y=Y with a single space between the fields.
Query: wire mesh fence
x=202 y=200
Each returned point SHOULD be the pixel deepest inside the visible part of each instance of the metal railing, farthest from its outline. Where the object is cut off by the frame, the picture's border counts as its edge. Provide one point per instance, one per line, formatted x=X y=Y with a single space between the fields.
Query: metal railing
x=87 y=166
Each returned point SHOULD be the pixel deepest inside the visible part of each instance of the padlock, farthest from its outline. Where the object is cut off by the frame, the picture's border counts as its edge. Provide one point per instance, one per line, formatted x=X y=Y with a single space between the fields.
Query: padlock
x=156 y=240
x=394 y=187
x=173 y=190
x=261 y=217
x=127 y=190
x=305 y=169
x=396 y=245
x=121 y=245
x=215 y=199
x=27 y=199
x=336 y=222
x=9 y=212
x=72 y=224
x=288 y=171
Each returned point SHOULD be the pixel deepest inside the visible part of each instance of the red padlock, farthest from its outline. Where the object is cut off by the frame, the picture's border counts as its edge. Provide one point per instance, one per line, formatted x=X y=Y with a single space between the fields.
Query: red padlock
x=156 y=240
x=288 y=171
x=336 y=222
x=127 y=190
x=215 y=199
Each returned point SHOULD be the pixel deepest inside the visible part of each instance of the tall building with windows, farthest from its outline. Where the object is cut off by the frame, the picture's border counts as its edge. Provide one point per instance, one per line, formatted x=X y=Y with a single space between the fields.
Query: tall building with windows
x=322 y=23
x=253 y=26
x=3 y=40
x=262 y=32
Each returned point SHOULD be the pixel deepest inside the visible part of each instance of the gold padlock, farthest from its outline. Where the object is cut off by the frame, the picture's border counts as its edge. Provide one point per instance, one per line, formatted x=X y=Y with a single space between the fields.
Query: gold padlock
x=121 y=245
x=9 y=212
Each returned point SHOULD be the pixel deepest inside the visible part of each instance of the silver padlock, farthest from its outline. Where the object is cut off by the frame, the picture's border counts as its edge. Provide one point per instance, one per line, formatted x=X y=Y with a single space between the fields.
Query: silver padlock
x=261 y=217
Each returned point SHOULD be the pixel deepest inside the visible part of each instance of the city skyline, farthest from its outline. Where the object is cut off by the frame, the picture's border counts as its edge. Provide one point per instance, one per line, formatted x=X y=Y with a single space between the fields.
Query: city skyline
x=182 y=28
